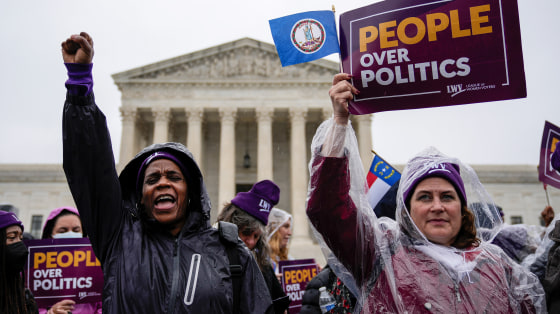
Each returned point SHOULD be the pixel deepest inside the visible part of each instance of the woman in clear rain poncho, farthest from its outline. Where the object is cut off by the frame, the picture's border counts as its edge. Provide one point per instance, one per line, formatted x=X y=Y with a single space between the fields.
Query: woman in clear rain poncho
x=279 y=231
x=433 y=257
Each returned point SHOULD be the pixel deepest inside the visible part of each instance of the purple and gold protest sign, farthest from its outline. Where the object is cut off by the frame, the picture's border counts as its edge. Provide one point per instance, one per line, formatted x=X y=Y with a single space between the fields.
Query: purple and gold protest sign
x=295 y=276
x=407 y=55
x=59 y=269
x=547 y=174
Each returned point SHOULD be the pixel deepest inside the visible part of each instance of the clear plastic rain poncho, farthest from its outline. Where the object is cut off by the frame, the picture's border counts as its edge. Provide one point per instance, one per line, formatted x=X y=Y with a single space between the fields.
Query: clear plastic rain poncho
x=537 y=261
x=519 y=241
x=276 y=219
x=390 y=265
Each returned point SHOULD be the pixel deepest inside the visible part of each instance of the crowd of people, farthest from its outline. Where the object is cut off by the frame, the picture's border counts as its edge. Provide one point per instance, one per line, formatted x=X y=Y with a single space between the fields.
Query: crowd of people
x=437 y=244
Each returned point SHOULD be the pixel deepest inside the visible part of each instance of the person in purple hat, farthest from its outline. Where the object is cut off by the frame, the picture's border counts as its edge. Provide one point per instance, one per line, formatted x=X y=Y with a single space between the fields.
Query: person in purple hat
x=253 y=208
x=435 y=256
x=14 y=297
x=149 y=226
x=250 y=211
x=65 y=223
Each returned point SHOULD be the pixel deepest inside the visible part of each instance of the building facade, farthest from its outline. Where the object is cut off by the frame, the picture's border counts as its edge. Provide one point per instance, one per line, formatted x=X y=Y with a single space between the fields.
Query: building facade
x=245 y=118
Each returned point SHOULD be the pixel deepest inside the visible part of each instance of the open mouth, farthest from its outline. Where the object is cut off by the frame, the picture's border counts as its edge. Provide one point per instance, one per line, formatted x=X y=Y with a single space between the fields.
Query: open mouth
x=164 y=202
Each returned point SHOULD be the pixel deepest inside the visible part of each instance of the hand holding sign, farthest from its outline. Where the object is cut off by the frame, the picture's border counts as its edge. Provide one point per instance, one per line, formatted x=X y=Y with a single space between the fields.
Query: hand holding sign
x=341 y=92
x=62 y=307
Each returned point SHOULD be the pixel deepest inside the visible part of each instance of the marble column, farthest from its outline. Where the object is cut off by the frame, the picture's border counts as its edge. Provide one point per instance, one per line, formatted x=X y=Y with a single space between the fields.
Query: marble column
x=194 y=133
x=365 y=139
x=227 y=155
x=128 y=116
x=161 y=124
x=264 y=144
x=298 y=171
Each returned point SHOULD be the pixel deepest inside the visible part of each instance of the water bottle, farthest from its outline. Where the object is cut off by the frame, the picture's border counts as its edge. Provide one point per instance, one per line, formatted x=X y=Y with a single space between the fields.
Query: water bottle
x=326 y=300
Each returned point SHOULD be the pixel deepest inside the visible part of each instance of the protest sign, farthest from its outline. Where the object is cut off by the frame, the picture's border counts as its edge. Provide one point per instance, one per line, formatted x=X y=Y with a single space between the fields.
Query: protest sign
x=59 y=269
x=295 y=276
x=547 y=174
x=405 y=55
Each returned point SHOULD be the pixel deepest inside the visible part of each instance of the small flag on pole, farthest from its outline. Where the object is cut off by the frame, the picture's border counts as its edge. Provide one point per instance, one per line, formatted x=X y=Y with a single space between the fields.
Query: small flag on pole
x=380 y=178
x=549 y=142
x=305 y=36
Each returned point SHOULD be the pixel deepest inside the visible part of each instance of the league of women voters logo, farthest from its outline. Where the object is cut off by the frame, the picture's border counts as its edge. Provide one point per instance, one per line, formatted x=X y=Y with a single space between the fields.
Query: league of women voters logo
x=308 y=35
x=437 y=167
x=264 y=206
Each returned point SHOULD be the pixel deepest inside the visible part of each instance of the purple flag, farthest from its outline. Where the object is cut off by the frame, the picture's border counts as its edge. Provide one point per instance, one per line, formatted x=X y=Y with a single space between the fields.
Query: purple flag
x=407 y=55
x=547 y=174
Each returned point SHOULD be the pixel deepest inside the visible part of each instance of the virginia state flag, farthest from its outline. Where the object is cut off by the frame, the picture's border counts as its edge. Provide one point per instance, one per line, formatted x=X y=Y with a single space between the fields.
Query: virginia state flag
x=305 y=36
x=380 y=178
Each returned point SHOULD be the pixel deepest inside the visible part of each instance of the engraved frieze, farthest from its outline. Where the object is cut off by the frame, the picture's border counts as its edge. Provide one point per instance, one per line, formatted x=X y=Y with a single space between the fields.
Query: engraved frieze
x=246 y=59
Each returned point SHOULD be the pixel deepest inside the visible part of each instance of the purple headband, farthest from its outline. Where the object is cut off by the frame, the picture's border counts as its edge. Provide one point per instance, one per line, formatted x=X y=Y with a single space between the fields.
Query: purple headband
x=9 y=219
x=447 y=171
x=152 y=157
x=259 y=200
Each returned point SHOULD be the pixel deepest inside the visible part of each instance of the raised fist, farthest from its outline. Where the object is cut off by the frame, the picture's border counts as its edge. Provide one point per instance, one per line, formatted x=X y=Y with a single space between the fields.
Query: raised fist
x=78 y=49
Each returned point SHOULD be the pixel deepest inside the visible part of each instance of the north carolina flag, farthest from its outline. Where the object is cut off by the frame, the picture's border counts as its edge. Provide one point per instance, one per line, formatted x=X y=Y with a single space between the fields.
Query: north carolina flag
x=380 y=178
x=305 y=36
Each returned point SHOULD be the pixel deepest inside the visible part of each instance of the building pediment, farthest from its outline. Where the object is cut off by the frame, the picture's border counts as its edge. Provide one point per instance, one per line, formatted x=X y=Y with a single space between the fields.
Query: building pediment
x=244 y=60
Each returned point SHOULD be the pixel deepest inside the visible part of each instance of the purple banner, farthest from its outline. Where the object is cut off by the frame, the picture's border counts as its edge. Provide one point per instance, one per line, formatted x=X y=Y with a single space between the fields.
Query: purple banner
x=295 y=276
x=61 y=269
x=407 y=55
x=547 y=174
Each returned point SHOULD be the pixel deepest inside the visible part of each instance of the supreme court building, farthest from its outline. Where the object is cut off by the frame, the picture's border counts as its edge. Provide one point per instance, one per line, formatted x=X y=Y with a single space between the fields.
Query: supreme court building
x=245 y=118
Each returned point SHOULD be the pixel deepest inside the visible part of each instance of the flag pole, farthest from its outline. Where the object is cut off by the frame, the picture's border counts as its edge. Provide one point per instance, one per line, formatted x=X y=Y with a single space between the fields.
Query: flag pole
x=546 y=193
x=545 y=188
x=337 y=39
x=376 y=154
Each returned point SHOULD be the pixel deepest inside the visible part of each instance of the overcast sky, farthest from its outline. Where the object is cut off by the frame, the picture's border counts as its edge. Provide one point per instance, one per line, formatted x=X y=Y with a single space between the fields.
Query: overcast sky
x=130 y=34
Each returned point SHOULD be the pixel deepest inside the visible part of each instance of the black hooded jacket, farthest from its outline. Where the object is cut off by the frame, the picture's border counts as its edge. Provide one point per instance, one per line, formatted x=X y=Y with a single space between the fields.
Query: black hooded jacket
x=146 y=269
